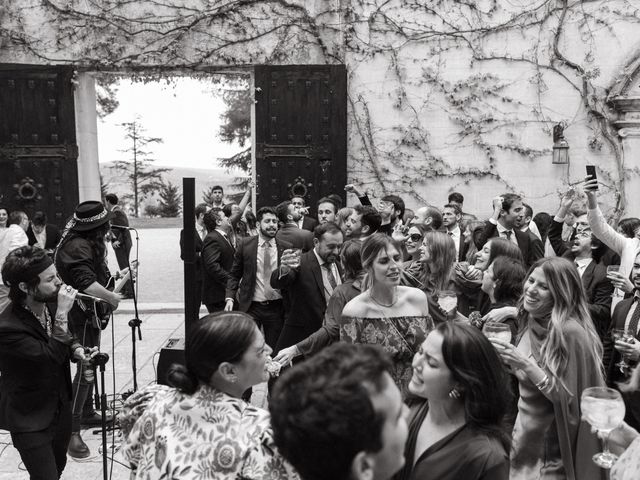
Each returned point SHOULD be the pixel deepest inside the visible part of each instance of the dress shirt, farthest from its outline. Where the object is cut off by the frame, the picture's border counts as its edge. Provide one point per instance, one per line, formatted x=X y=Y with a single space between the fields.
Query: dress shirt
x=455 y=235
x=264 y=292
x=502 y=230
x=202 y=231
x=582 y=264
x=300 y=222
x=224 y=235
x=11 y=238
x=328 y=289
x=634 y=305
x=41 y=238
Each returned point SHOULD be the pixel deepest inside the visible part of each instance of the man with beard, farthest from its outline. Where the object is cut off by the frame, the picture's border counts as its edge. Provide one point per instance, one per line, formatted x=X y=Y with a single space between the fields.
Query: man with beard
x=35 y=348
x=289 y=215
x=249 y=283
x=364 y=221
x=327 y=210
x=584 y=251
x=309 y=281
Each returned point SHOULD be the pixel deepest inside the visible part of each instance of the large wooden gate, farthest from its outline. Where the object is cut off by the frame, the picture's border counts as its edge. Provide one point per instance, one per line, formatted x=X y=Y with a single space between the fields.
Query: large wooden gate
x=301 y=132
x=38 y=151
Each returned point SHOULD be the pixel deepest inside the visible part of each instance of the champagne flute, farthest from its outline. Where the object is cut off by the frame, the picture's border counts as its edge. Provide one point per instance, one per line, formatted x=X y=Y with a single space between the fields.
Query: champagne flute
x=604 y=409
x=611 y=269
x=500 y=331
x=625 y=336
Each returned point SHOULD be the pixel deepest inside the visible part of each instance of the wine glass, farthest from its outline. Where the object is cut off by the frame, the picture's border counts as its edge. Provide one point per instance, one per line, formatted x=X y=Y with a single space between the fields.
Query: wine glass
x=604 y=409
x=625 y=336
x=498 y=330
x=447 y=300
x=615 y=268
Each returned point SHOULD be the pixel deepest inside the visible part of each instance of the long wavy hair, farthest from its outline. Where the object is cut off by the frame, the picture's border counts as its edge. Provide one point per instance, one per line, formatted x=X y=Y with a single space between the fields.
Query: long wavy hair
x=569 y=302
x=435 y=274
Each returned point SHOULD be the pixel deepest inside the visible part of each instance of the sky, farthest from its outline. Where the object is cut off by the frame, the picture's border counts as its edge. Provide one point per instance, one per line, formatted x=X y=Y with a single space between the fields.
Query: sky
x=184 y=113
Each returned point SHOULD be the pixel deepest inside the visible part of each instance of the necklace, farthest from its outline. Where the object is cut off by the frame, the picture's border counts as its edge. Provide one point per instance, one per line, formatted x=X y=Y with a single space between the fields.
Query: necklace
x=393 y=302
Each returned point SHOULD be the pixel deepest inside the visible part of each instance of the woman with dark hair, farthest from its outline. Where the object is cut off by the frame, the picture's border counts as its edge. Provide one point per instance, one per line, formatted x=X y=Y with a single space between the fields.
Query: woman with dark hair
x=4 y=217
x=455 y=428
x=80 y=259
x=629 y=227
x=200 y=427
x=387 y=314
x=350 y=288
x=557 y=356
x=502 y=282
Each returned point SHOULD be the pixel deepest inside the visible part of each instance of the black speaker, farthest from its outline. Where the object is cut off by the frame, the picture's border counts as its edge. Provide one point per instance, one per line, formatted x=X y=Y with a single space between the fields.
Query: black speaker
x=172 y=352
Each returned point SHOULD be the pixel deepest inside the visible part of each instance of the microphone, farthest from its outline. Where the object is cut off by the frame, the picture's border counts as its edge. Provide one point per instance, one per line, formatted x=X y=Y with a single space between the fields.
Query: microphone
x=122 y=227
x=85 y=296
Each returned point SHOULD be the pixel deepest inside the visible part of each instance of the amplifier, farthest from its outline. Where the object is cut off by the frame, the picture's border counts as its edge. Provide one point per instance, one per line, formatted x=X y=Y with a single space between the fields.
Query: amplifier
x=171 y=352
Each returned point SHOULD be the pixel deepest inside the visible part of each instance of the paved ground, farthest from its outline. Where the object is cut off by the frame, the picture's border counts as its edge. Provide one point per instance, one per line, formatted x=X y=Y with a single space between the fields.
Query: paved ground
x=162 y=314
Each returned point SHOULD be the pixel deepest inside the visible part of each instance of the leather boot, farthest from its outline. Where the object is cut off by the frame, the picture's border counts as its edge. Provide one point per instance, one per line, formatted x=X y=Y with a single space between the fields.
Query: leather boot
x=77 y=448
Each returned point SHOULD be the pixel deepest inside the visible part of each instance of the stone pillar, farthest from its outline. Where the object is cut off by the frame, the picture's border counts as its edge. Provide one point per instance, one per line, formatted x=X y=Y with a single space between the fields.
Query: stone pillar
x=87 y=138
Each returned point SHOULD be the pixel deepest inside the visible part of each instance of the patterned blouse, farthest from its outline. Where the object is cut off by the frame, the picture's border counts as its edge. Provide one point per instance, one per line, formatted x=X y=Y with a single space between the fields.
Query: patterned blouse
x=400 y=337
x=208 y=435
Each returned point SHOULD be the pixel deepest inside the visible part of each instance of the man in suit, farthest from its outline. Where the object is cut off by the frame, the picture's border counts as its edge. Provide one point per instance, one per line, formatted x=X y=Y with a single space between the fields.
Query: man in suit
x=429 y=217
x=249 y=282
x=44 y=234
x=626 y=316
x=327 y=210
x=217 y=259
x=201 y=232
x=309 y=282
x=305 y=222
x=289 y=231
x=35 y=349
x=593 y=273
x=120 y=238
x=451 y=216
x=508 y=210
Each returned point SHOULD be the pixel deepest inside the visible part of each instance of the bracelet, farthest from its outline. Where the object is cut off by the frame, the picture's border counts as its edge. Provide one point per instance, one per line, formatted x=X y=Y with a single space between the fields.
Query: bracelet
x=543 y=384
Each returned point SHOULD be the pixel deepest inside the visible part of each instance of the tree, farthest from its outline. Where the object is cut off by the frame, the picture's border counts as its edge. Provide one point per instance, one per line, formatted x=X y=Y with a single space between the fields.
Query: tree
x=170 y=201
x=143 y=179
x=236 y=124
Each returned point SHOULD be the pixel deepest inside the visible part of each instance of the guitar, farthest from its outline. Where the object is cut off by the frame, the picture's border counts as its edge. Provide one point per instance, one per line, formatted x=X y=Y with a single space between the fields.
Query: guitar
x=102 y=311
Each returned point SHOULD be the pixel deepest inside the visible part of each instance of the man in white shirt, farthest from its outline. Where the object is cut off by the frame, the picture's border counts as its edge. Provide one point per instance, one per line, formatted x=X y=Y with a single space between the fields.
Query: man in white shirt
x=451 y=215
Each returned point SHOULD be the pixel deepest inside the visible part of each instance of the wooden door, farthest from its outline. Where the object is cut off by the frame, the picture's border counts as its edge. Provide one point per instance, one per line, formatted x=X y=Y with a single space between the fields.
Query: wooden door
x=38 y=151
x=301 y=132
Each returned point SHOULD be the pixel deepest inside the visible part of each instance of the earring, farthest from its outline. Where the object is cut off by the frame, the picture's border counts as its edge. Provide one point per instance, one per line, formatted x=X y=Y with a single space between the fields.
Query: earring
x=454 y=394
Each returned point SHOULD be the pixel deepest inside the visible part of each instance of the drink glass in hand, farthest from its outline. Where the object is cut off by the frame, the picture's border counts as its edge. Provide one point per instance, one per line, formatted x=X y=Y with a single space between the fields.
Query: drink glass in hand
x=500 y=331
x=604 y=409
x=297 y=252
x=615 y=268
x=448 y=301
x=625 y=336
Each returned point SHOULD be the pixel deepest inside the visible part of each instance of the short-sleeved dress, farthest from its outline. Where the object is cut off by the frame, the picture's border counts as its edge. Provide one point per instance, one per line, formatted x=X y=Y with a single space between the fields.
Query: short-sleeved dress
x=400 y=337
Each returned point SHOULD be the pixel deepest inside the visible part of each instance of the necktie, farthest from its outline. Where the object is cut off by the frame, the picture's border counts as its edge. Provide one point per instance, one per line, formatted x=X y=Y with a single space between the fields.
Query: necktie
x=507 y=234
x=330 y=277
x=266 y=269
x=450 y=234
x=635 y=318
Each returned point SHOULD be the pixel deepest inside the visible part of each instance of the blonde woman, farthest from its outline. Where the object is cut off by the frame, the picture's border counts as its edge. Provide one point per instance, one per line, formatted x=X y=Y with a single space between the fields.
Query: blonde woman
x=556 y=358
x=385 y=313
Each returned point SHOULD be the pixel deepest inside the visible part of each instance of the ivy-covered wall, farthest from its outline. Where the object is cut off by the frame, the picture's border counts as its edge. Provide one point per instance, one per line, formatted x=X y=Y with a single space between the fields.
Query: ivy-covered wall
x=443 y=95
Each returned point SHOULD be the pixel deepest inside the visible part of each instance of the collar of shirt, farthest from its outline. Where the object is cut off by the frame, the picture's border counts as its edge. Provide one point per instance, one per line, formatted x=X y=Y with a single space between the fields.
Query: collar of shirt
x=223 y=233
x=262 y=240
x=583 y=262
x=455 y=232
x=501 y=229
x=320 y=260
x=300 y=222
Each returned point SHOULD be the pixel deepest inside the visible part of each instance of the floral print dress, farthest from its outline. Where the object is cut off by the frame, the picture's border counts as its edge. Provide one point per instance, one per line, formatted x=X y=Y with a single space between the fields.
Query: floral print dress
x=208 y=435
x=400 y=337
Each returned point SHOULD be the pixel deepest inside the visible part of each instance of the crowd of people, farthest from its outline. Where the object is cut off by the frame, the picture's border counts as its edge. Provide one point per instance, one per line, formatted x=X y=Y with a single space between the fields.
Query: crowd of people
x=399 y=344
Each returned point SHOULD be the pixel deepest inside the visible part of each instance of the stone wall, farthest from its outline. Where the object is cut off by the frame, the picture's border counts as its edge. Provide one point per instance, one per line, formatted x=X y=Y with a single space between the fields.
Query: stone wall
x=443 y=95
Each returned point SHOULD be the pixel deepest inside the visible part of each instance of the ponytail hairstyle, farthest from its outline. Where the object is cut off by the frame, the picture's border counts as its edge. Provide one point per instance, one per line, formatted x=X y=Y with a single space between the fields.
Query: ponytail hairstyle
x=214 y=339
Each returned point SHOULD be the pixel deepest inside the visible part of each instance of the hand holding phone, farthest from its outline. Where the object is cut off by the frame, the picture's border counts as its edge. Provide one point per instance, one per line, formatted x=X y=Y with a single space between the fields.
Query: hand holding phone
x=591 y=172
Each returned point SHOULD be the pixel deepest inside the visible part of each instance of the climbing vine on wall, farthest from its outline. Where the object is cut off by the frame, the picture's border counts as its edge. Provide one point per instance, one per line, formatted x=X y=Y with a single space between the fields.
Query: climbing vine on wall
x=461 y=79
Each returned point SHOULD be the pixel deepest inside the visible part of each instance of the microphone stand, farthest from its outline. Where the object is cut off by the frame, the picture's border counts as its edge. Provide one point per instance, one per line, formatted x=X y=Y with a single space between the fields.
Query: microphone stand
x=135 y=322
x=100 y=360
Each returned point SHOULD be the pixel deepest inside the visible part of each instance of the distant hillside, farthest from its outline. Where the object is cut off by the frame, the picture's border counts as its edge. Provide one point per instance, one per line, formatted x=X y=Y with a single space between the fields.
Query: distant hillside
x=205 y=178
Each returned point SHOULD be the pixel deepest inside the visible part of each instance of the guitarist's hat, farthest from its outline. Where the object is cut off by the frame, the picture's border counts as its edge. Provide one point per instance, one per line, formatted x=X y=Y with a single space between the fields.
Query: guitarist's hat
x=89 y=215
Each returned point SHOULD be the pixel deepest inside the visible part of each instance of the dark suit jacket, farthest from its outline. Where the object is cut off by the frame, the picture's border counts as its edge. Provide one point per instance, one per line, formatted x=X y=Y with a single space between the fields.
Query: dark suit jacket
x=217 y=260
x=242 y=282
x=307 y=303
x=463 y=248
x=298 y=237
x=36 y=377
x=531 y=246
x=309 y=223
x=52 y=233
x=120 y=234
